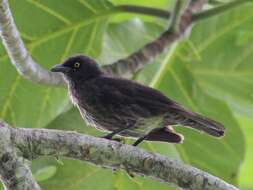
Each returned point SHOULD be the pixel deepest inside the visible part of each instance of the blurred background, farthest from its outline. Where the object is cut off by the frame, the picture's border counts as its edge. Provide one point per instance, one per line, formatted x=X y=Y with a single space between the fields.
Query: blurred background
x=209 y=72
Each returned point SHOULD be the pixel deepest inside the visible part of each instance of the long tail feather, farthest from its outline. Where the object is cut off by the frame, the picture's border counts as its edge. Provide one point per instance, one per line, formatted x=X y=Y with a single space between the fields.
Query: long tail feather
x=204 y=124
x=184 y=117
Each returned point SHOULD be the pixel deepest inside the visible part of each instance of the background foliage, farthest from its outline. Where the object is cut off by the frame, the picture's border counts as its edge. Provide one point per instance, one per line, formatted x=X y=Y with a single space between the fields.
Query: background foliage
x=210 y=72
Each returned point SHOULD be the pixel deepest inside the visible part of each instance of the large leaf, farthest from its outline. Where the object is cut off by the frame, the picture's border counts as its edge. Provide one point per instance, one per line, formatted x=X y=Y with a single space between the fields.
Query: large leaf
x=201 y=73
x=247 y=167
x=177 y=81
x=221 y=56
x=53 y=37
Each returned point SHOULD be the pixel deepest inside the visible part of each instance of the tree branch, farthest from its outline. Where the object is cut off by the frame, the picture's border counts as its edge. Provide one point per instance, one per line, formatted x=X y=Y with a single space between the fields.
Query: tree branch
x=126 y=67
x=14 y=170
x=21 y=58
x=33 y=143
x=29 y=69
x=218 y=10
x=19 y=55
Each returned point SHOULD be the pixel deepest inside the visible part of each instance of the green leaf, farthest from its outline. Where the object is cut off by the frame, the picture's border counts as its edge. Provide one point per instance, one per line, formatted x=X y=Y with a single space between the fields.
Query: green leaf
x=245 y=180
x=161 y=4
x=52 y=38
x=77 y=175
x=45 y=173
x=200 y=150
x=221 y=58
x=150 y=3
x=210 y=73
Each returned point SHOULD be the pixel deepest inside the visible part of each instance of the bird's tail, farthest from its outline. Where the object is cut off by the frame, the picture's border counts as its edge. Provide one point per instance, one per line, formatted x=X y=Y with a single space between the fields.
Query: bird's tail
x=206 y=125
x=198 y=122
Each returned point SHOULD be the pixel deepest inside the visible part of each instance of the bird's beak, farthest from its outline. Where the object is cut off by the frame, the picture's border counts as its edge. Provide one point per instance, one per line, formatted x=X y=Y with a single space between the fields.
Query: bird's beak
x=60 y=68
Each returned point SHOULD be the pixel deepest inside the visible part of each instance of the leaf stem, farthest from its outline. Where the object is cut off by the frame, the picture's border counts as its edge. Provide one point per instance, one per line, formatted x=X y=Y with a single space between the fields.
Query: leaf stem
x=175 y=15
x=142 y=10
x=214 y=2
x=18 y=145
x=218 y=10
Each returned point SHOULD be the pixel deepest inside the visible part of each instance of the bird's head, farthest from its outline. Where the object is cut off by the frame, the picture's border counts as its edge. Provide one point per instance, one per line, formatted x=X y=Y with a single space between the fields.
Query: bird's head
x=78 y=67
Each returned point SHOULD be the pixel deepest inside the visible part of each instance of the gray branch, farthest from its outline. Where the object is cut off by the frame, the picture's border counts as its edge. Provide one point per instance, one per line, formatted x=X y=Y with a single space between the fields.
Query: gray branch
x=126 y=67
x=19 y=55
x=14 y=169
x=32 y=71
x=33 y=143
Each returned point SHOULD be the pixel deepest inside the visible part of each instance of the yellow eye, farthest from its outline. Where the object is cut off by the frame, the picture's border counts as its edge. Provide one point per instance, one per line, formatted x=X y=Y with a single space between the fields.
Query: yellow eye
x=77 y=65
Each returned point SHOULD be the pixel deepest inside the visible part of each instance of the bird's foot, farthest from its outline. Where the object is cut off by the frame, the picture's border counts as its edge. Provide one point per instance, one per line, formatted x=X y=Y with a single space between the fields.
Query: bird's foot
x=139 y=140
x=130 y=174
x=109 y=137
x=121 y=140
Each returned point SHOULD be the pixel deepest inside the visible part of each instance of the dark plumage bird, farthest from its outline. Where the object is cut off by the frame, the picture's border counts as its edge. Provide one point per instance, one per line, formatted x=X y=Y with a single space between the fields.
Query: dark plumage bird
x=127 y=108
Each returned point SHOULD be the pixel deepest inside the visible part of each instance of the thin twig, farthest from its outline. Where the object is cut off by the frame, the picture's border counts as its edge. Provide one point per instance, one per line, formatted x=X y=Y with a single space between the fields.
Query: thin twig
x=142 y=10
x=214 y=2
x=28 y=68
x=126 y=67
x=21 y=58
x=218 y=10
x=42 y=142
x=175 y=16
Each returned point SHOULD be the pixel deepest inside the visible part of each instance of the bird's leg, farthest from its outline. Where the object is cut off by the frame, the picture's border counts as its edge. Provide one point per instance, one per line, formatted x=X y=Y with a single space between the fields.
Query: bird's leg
x=110 y=135
x=139 y=140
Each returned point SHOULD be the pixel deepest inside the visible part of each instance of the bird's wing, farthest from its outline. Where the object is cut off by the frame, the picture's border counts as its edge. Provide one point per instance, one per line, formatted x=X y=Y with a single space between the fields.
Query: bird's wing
x=143 y=100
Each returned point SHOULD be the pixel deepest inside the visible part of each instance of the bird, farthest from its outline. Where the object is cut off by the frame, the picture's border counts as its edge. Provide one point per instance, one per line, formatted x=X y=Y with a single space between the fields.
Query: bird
x=127 y=108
